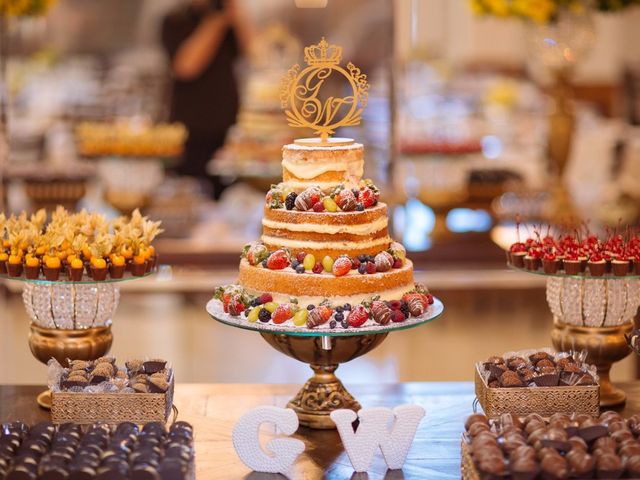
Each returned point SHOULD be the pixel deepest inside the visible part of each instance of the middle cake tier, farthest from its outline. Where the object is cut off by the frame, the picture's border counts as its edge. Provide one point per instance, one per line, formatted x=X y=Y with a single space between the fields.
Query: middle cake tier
x=327 y=233
x=311 y=288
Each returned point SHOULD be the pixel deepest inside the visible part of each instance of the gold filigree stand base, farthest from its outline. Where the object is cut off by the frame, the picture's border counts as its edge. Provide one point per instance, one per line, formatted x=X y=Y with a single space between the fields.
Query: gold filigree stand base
x=84 y=344
x=323 y=392
x=604 y=345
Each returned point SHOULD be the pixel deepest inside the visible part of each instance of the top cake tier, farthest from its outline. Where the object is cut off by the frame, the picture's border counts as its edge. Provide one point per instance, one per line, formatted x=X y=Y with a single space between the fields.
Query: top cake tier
x=325 y=167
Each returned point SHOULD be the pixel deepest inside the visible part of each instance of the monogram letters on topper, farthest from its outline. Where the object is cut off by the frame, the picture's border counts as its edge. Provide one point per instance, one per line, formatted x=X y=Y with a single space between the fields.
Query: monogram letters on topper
x=391 y=431
x=303 y=95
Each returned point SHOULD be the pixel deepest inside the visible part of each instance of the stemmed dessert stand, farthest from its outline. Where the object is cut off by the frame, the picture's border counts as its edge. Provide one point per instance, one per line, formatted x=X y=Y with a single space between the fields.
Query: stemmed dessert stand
x=593 y=314
x=324 y=350
x=70 y=320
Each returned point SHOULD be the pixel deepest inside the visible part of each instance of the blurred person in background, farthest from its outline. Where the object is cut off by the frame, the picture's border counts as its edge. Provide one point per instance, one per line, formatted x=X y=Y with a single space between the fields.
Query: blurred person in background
x=203 y=39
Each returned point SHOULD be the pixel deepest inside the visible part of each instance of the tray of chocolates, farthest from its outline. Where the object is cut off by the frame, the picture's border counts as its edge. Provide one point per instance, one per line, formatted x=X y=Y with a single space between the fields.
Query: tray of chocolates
x=537 y=381
x=71 y=451
x=101 y=391
x=561 y=447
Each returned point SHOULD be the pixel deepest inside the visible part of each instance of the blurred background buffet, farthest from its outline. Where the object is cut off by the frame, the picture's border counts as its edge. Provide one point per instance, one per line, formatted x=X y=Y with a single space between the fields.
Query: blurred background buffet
x=485 y=121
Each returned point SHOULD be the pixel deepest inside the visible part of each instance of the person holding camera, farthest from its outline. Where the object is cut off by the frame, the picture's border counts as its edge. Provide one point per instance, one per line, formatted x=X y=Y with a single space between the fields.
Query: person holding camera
x=203 y=40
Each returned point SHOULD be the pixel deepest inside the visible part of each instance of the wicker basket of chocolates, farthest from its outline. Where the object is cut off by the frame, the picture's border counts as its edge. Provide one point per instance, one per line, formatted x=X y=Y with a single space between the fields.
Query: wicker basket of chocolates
x=100 y=391
x=562 y=447
x=537 y=381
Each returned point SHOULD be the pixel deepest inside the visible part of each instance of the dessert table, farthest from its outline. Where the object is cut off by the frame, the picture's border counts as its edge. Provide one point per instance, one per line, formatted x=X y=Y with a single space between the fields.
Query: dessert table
x=214 y=409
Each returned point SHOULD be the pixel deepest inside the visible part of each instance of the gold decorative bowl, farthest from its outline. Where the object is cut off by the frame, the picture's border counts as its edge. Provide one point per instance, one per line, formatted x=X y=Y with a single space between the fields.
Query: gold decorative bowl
x=604 y=346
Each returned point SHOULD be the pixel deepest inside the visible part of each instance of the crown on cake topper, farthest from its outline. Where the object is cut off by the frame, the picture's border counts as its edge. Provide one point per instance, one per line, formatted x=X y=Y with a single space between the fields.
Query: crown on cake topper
x=300 y=95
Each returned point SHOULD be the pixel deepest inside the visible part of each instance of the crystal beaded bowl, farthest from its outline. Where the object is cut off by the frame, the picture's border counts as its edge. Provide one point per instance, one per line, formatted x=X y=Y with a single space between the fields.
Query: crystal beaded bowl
x=593 y=302
x=70 y=306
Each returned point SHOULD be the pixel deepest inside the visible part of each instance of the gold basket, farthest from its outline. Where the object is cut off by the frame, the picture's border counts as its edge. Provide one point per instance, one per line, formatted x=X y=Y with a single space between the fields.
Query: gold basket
x=544 y=401
x=86 y=408
x=467 y=466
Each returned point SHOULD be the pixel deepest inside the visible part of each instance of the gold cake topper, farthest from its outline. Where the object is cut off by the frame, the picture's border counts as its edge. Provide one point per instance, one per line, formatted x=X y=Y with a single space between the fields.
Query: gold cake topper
x=300 y=94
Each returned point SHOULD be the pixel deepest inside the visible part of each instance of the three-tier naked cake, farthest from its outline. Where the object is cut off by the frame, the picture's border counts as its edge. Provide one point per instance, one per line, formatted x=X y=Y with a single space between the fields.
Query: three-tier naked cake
x=325 y=259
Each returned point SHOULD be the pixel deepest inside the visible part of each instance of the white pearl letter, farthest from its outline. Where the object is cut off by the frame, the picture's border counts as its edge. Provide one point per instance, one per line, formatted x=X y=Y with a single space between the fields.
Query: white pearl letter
x=281 y=452
x=373 y=432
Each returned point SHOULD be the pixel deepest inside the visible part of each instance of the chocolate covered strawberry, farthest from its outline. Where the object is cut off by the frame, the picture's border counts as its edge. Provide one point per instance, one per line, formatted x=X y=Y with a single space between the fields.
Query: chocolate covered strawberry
x=417 y=303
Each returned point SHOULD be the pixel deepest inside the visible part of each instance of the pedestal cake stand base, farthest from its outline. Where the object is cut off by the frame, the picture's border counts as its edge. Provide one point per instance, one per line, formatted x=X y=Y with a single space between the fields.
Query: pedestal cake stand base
x=323 y=392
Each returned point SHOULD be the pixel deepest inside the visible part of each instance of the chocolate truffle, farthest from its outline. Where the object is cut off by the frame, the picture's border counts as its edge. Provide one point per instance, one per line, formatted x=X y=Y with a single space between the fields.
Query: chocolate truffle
x=608 y=465
x=605 y=443
x=555 y=466
x=545 y=363
x=632 y=466
x=476 y=417
x=510 y=379
x=581 y=464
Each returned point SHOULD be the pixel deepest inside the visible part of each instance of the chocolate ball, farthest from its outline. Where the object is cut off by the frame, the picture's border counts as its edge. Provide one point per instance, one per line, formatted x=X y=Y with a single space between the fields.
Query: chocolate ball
x=605 y=443
x=610 y=416
x=532 y=417
x=492 y=466
x=524 y=451
x=581 y=464
x=512 y=442
x=507 y=419
x=478 y=427
x=577 y=443
x=523 y=465
x=555 y=466
x=632 y=466
x=475 y=418
x=623 y=436
x=617 y=425
x=533 y=426
x=608 y=465
x=630 y=449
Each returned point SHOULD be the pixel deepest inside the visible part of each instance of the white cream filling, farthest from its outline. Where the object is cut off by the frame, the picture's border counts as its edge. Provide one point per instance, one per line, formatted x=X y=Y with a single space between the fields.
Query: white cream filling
x=309 y=170
x=303 y=300
x=297 y=185
x=295 y=146
x=361 y=229
x=285 y=242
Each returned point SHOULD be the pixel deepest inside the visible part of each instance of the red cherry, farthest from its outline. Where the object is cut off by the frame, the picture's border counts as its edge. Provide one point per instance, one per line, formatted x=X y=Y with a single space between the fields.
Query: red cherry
x=371 y=267
x=317 y=268
x=318 y=207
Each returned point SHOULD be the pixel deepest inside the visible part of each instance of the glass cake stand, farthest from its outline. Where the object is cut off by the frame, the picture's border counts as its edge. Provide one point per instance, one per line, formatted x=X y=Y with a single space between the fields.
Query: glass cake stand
x=593 y=314
x=70 y=320
x=324 y=350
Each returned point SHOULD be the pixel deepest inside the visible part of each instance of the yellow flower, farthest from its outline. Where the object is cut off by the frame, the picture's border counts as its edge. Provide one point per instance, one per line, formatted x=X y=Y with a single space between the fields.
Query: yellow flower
x=477 y=7
x=498 y=7
x=537 y=10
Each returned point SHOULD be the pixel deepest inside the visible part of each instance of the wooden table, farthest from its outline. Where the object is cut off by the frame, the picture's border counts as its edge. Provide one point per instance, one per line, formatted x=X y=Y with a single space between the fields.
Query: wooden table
x=214 y=409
